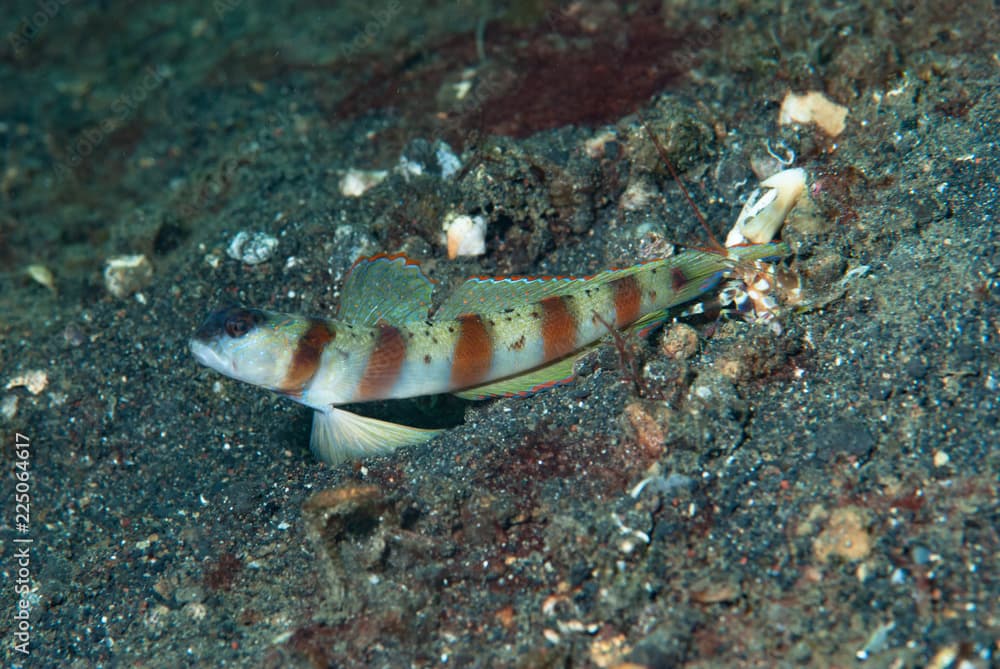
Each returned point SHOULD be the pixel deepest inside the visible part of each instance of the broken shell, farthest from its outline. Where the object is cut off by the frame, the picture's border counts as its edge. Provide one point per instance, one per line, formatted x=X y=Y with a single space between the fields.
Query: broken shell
x=577 y=627
x=595 y=146
x=765 y=211
x=34 y=381
x=43 y=275
x=638 y=194
x=356 y=183
x=550 y=603
x=124 y=275
x=466 y=235
x=813 y=107
x=252 y=248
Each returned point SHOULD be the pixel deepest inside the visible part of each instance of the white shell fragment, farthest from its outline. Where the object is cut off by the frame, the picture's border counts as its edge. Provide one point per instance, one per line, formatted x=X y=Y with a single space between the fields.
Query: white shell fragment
x=595 y=146
x=813 y=107
x=638 y=195
x=253 y=249
x=42 y=275
x=447 y=161
x=124 y=275
x=466 y=235
x=8 y=407
x=34 y=381
x=765 y=211
x=356 y=183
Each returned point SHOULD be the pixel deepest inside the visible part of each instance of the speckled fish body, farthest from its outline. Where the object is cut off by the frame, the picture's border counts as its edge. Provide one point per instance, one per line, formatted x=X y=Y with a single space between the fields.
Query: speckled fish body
x=494 y=336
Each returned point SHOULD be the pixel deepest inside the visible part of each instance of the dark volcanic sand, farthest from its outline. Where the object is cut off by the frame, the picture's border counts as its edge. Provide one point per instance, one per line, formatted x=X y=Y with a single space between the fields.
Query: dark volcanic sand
x=814 y=496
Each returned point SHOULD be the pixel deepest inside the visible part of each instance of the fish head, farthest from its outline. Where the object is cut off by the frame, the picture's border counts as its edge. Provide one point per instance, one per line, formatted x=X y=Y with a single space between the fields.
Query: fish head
x=249 y=345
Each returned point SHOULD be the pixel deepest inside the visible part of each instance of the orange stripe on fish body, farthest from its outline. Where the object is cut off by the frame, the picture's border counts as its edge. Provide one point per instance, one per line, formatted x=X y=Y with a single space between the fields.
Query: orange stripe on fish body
x=515 y=337
x=627 y=299
x=384 y=363
x=305 y=360
x=473 y=353
x=558 y=327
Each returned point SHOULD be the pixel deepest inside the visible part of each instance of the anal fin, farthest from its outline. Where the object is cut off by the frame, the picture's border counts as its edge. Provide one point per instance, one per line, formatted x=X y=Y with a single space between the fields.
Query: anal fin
x=529 y=383
x=339 y=435
x=649 y=322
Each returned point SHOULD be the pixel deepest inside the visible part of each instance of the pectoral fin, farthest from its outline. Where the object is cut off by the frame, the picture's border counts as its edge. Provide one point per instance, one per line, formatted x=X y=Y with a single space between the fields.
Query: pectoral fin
x=339 y=435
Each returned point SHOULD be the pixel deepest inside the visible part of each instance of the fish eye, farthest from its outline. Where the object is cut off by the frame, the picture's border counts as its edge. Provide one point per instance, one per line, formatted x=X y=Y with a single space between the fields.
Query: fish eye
x=238 y=325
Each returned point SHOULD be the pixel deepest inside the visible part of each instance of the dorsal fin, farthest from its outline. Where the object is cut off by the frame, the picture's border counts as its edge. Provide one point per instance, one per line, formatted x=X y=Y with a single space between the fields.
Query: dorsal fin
x=387 y=288
x=485 y=294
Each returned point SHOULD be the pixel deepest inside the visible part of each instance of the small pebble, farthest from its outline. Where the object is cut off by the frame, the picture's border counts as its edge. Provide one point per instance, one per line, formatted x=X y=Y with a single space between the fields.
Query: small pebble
x=649 y=428
x=679 y=342
x=186 y=594
x=801 y=653
x=73 y=336
x=877 y=642
x=945 y=658
x=921 y=555
x=917 y=368
x=195 y=610
x=845 y=536
x=965 y=353
x=8 y=407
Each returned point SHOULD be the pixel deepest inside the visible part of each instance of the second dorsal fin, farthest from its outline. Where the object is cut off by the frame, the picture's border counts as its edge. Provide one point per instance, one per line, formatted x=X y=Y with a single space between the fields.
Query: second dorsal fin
x=484 y=294
x=387 y=288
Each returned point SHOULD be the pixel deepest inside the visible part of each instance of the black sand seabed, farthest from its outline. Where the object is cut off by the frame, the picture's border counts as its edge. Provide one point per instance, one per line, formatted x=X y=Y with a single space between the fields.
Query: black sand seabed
x=821 y=498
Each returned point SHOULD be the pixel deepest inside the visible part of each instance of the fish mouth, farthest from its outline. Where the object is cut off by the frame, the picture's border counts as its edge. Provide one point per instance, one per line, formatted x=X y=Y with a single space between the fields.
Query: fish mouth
x=208 y=356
